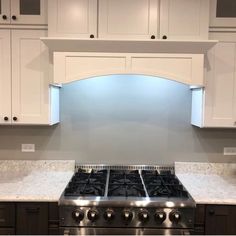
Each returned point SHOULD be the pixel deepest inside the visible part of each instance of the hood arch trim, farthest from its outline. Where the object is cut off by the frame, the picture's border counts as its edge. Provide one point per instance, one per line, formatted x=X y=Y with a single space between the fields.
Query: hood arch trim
x=184 y=68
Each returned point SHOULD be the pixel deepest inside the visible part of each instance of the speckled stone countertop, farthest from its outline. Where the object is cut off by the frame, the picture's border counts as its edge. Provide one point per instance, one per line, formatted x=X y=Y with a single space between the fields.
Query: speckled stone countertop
x=208 y=183
x=34 y=181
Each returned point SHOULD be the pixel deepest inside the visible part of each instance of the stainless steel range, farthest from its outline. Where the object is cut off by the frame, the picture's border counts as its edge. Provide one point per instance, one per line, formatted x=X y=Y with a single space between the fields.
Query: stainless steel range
x=134 y=200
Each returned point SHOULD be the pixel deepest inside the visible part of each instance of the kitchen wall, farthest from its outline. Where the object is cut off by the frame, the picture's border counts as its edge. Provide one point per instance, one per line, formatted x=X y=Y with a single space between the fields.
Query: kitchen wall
x=121 y=119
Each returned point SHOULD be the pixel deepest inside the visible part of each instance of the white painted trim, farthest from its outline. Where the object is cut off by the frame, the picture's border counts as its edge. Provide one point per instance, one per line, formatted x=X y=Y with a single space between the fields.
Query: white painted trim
x=183 y=68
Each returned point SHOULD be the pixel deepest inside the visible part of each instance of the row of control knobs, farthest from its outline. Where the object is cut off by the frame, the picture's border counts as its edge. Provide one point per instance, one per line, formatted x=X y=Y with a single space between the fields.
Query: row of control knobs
x=127 y=215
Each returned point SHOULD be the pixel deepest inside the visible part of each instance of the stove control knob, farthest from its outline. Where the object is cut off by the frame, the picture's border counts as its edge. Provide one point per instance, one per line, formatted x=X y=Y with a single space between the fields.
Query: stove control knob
x=143 y=215
x=127 y=215
x=175 y=216
x=78 y=215
x=92 y=215
x=160 y=216
x=109 y=214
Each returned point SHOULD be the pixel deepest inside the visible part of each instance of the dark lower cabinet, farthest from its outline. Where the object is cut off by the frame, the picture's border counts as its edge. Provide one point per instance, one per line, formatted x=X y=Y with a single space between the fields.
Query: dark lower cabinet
x=215 y=220
x=32 y=218
x=29 y=218
x=53 y=221
x=199 y=225
x=7 y=231
x=7 y=218
x=220 y=219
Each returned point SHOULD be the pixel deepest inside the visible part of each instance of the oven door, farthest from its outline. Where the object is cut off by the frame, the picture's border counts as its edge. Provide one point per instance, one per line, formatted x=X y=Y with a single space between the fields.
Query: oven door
x=122 y=231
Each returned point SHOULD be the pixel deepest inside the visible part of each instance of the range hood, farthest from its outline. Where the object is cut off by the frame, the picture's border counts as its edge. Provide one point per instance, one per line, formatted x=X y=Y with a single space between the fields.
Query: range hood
x=76 y=59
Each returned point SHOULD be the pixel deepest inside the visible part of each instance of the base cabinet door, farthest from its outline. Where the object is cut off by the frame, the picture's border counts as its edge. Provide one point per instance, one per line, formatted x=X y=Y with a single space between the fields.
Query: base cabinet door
x=32 y=219
x=199 y=225
x=220 y=220
x=7 y=215
x=7 y=231
x=7 y=218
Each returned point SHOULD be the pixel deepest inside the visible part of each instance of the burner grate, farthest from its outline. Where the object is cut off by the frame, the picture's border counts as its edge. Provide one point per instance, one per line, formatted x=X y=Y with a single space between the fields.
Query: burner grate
x=125 y=183
x=85 y=183
x=163 y=184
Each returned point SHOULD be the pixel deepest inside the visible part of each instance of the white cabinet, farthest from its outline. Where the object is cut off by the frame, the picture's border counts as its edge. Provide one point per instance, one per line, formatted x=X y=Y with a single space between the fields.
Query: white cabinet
x=5 y=76
x=5 y=11
x=129 y=19
x=72 y=18
x=223 y=13
x=215 y=106
x=136 y=19
x=28 y=95
x=23 y=12
x=184 y=19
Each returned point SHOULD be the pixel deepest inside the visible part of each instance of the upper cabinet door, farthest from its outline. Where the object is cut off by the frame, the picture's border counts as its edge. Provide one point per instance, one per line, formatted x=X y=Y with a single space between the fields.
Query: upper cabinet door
x=5 y=17
x=5 y=77
x=30 y=77
x=220 y=107
x=223 y=13
x=72 y=18
x=128 y=19
x=184 y=19
x=29 y=12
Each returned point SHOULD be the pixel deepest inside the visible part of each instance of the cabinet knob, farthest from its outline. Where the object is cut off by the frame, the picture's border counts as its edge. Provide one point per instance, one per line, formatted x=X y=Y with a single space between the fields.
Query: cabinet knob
x=153 y=37
x=13 y=17
x=15 y=118
x=4 y=17
x=91 y=36
x=164 y=37
x=211 y=212
x=6 y=118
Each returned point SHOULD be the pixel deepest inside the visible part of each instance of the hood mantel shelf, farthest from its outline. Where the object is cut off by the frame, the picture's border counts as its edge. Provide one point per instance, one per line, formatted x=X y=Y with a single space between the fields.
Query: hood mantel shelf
x=128 y=46
x=76 y=59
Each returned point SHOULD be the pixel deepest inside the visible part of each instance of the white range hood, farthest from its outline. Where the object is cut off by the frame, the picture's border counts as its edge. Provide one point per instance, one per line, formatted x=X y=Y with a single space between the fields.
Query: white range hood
x=76 y=59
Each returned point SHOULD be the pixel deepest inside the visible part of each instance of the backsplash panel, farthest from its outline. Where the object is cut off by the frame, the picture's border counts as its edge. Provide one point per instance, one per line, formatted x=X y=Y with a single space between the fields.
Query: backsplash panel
x=121 y=120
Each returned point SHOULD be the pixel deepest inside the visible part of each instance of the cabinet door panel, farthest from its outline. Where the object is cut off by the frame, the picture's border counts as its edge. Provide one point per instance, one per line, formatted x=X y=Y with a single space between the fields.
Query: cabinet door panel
x=30 y=79
x=7 y=231
x=32 y=219
x=5 y=76
x=137 y=19
x=184 y=19
x=5 y=12
x=7 y=215
x=29 y=11
x=220 y=220
x=221 y=86
x=223 y=13
x=72 y=18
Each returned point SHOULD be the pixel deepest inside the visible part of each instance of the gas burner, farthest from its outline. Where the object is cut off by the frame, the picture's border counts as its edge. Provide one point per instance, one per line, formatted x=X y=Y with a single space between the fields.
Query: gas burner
x=163 y=184
x=129 y=190
x=87 y=183
x=125 y=184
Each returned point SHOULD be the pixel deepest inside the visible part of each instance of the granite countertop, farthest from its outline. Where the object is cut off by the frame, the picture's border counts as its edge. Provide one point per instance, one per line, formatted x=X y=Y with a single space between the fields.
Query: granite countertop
x=31 y=181
x=208 y=183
